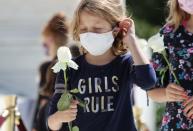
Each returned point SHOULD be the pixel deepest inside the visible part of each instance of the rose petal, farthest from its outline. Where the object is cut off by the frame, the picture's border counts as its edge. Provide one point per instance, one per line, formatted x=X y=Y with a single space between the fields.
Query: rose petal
x=64 y=54
x=59 y=66
x=73 y=65
x=156 y=43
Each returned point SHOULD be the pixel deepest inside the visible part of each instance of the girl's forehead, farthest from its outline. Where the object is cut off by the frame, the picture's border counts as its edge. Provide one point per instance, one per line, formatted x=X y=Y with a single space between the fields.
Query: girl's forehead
x=88 y=17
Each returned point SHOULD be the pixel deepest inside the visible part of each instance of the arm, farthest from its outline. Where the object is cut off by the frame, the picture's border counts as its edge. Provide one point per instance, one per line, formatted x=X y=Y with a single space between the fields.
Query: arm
x=158 y=94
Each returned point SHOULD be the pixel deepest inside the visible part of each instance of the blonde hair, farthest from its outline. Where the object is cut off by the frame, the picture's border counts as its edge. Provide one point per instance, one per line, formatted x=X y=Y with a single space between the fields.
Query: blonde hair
x=176 y=14
x=111 y=10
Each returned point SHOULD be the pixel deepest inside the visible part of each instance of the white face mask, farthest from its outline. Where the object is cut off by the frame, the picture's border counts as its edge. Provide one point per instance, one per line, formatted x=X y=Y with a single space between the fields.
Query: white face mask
x=95 y=43
x=186 y=5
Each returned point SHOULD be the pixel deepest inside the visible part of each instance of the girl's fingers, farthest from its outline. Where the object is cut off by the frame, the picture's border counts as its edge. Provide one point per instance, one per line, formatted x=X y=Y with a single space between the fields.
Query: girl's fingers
x=188 y=101
x=189 y=114
x=73 y=115
x=171 y=99
x=178 y=93
x=175 y=98
x=187 y=108
x=176 y=87
x=126 y=23
x=73 y=106
x=73 y=110
x=76 y=101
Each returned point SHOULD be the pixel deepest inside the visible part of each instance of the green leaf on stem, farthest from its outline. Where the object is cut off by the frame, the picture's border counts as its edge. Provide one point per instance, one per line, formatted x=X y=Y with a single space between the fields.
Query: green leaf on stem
x=75 y=128
x=163 y=73
x=81 y=102
x=64 y=101
x=74 y=91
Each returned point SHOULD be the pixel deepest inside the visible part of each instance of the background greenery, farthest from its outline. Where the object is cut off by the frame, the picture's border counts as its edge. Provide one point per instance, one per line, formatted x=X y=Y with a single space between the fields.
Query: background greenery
x=149 y=16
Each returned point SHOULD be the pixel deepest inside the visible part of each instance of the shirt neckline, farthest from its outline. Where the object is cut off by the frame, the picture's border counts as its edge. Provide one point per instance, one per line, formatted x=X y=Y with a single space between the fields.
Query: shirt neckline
x=110 y=64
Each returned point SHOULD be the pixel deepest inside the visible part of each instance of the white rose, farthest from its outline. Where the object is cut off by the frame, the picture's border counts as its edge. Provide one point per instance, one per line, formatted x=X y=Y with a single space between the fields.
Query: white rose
x=145 y=48
x=64 y=60
x=64 y=54
x=156 y=43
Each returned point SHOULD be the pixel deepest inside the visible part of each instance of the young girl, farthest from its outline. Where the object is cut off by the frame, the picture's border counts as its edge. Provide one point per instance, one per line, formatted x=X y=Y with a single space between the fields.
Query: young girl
x=106 y=71
x=178 y=38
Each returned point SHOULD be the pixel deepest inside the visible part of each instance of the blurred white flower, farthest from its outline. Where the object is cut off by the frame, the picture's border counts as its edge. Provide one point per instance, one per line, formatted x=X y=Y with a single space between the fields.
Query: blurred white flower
x=145 y=48
x=156 y=43
x=64 y=60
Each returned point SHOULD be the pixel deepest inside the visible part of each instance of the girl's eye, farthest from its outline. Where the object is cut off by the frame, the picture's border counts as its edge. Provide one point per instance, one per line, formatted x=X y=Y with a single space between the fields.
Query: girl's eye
x=98 y=30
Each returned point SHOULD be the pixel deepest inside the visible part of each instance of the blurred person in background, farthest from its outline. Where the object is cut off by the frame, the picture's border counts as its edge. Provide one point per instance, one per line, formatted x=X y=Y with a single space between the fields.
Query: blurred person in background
x=55 y=34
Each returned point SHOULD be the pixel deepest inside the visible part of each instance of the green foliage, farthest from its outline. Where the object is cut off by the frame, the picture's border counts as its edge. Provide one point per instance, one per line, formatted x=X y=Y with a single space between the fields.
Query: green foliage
x=75 y=128
x=149 y=15
x=160 y=109
x=144 y=29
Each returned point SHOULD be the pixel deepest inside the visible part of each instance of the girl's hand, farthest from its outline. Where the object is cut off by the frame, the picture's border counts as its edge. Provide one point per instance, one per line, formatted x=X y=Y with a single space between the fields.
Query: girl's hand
x=128 y=28
x=175 y=93
x=68 y=115
x=188 y=108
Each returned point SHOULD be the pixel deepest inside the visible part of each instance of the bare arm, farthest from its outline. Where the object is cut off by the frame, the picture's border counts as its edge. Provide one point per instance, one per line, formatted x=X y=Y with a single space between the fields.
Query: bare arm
x=158 y=94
